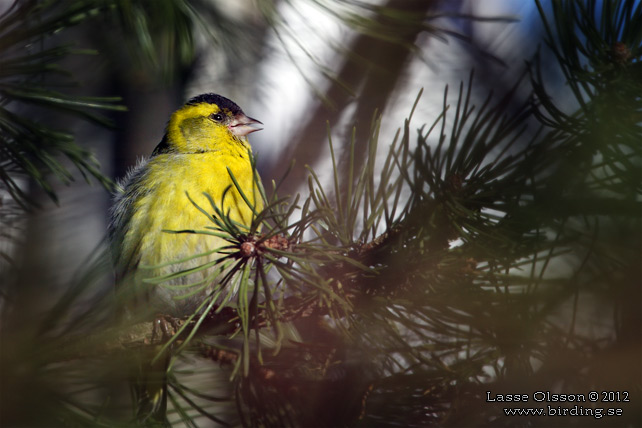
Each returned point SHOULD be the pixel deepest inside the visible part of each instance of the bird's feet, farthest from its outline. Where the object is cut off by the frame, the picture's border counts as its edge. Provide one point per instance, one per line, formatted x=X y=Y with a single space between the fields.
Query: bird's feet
x=165 y=327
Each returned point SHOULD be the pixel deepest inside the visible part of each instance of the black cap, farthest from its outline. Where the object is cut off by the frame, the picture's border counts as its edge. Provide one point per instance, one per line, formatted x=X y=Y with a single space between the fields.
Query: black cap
x=222 y=102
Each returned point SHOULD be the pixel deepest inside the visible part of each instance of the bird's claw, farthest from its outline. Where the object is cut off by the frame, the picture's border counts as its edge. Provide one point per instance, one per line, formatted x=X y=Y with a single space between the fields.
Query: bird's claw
x=165 y=327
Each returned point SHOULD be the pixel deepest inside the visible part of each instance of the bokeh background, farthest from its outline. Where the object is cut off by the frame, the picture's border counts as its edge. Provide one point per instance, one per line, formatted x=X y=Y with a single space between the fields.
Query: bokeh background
x=302 y=67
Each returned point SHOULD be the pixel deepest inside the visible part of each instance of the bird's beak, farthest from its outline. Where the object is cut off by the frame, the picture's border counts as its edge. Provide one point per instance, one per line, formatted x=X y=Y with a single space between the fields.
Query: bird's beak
x=242 y=125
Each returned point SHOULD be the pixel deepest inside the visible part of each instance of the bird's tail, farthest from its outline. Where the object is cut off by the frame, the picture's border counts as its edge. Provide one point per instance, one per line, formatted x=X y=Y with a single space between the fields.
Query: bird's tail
x=149 y=389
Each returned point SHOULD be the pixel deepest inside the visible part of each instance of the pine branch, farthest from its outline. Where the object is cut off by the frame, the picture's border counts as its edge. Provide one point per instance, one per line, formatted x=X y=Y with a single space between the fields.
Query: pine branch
x=226 y=321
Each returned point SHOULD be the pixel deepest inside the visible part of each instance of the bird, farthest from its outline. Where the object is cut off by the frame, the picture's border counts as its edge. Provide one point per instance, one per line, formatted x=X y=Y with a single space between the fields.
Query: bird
x=193 y=175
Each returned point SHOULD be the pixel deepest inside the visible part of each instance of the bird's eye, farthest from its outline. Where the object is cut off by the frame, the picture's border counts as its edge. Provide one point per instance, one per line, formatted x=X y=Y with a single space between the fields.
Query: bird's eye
x=217 y=117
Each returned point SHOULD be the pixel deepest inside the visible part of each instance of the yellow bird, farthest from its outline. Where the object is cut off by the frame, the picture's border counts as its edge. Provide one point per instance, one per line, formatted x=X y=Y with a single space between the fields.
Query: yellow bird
x=204 y=144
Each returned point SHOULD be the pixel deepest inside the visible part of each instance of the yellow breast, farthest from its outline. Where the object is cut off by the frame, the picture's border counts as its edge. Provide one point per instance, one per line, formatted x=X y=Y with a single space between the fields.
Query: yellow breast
x=171 y=178
x=165 y=205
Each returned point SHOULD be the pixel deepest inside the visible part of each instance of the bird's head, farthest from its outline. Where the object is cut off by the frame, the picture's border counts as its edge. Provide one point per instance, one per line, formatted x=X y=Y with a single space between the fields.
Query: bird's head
x=206 y=123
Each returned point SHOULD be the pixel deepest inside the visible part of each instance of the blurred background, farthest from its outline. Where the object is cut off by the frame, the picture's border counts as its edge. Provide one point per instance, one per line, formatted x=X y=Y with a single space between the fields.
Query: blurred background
x=304 y=68
x=106 y=75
